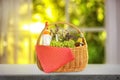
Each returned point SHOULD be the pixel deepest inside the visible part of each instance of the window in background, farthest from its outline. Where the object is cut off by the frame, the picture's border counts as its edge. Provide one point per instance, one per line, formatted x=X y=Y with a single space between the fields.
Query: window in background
x=89 y=16
x=19 y=33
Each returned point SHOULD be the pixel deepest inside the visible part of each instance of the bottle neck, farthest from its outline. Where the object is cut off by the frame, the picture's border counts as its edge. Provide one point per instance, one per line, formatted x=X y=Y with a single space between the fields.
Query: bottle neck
x=47 y=31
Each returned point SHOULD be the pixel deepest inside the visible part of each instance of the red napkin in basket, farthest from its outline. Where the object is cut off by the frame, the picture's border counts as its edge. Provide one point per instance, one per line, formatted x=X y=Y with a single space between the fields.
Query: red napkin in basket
x=52 y=58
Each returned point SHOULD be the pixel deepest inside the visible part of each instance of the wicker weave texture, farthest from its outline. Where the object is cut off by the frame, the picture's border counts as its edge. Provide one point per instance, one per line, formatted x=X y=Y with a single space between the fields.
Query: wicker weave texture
x=80 y=61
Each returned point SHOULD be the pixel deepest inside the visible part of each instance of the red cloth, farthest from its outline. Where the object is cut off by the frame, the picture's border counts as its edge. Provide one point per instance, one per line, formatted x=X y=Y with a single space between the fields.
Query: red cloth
x=52 y=58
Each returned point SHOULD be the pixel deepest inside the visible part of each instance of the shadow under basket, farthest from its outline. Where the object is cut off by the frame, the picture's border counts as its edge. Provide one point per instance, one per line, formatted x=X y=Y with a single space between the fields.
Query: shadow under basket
x=80 y=56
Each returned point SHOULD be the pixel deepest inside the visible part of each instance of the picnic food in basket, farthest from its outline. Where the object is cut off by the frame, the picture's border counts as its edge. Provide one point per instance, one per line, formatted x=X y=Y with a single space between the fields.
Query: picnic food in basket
x=62 y=55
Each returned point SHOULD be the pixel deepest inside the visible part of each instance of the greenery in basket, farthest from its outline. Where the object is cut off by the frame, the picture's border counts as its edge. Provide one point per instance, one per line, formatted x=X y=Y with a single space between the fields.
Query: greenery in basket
x=65 y=38
x=70 y=43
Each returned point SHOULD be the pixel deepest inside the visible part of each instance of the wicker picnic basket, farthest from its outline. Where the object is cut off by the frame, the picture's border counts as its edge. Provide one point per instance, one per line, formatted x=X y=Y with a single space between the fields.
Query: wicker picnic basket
x=80 y=53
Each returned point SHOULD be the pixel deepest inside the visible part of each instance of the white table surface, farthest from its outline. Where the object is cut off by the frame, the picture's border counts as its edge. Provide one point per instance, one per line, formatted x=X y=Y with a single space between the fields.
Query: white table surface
x=32 y=69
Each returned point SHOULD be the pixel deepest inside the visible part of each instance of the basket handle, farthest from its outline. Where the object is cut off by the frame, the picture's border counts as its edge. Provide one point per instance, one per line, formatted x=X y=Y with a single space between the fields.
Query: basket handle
x=46 y=24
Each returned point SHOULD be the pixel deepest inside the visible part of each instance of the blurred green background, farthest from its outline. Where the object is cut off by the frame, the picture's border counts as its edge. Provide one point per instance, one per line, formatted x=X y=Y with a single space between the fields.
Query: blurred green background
x=22 y=21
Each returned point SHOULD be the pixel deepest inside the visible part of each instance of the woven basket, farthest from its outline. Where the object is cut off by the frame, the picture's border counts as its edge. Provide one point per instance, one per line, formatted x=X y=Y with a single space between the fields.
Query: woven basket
x=80 y=53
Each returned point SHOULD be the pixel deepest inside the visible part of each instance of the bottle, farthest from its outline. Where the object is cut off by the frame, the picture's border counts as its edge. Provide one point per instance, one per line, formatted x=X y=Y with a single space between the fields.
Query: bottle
x=46 y=37
x=79 y=41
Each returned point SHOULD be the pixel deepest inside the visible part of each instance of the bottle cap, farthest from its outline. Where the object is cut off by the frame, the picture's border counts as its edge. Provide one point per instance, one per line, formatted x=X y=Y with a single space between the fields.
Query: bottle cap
x=46 y=24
